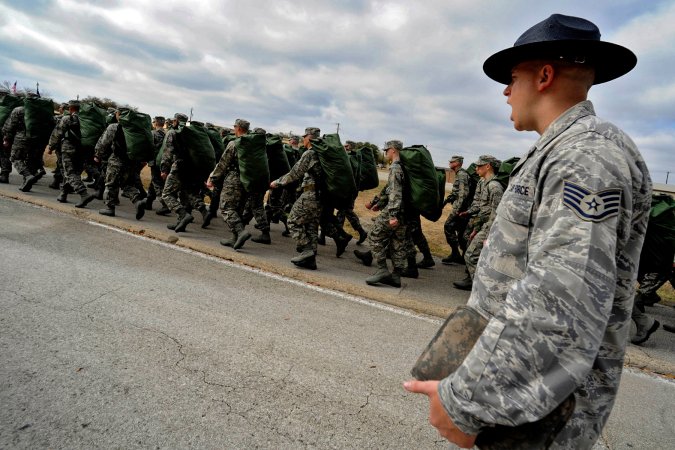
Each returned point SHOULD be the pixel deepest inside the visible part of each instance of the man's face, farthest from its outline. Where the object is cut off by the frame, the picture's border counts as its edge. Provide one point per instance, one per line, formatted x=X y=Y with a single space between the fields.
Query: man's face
x=454 y=165
x=389 y=154
x=521 y=94
x=305 y=140
x=482 y=171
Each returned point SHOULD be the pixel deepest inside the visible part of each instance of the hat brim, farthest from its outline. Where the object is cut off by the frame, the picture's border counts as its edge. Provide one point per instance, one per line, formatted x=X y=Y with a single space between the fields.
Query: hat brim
x=609 y=60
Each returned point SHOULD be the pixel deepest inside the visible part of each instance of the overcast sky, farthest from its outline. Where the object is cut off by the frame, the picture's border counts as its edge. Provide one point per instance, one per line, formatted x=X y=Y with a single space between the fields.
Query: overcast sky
x=381 y=69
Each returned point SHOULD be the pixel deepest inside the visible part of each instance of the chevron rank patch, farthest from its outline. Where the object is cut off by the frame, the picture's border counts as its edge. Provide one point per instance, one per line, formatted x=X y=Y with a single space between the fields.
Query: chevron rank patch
x=591 y=206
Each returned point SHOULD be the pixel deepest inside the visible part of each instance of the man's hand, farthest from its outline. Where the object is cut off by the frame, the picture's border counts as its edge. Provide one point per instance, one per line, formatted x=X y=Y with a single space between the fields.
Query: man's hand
x=463 y=214
x=96 y=160
x=163 y=175
x=6 y=143
x=209 y=184
x=438 y=417
x=274 y=184
x=50 y=150
x=369 y=205
x=393 y=222
x=473 y=235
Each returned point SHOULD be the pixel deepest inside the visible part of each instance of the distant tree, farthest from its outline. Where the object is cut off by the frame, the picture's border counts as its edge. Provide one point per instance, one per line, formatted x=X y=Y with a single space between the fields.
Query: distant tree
x=102 y=102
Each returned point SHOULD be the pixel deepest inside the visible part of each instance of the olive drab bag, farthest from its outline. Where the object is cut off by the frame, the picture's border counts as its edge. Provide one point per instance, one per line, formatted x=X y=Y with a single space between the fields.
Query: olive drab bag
x=216 y=142
x=136 y=128
x=254 y=171
x=421 y=181
x=339 y=184
x=291 y=154
x=659 y=245
x=368 y=176
x=39 y=118
x=196 y=142
x=276 y=157
x=92 y=123
x=7 y=105
x=355 y=159
x=503 y=172
x=440 y=175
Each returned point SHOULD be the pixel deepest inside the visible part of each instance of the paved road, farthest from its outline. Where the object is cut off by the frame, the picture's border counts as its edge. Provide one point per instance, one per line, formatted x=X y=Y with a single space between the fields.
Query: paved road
x=113 y=340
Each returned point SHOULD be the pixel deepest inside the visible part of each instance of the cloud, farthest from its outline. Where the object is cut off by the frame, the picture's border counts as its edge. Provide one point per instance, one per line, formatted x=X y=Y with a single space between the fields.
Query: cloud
x=382 y=69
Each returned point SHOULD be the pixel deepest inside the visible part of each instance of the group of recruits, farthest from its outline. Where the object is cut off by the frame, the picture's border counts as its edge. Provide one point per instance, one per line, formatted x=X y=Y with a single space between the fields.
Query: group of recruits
x=294 y=199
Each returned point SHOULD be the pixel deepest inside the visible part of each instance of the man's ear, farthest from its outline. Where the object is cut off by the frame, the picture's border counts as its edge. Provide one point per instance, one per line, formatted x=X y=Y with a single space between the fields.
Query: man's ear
x=545 y=77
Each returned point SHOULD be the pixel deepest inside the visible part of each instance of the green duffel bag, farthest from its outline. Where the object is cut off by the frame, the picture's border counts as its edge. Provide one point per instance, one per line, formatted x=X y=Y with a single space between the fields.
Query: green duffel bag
x=292 y=155
x=216 y=142
x=276 y=157
x=355 y=159
x=92 y=123
x=7 y=105
x=659 y=244
x=137 y=128
x=339 y=185
x=197 y=144
x=39 y=118
x=254 y=171
x=503 y=172
x=368 y=176
x=421 y=181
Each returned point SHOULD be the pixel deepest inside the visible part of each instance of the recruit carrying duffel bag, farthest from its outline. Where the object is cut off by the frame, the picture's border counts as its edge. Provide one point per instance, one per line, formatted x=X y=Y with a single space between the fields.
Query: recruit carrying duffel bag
x=254 y=171
x=421 y=191
x=137 y=130
x=92 y=123
x=339 y=185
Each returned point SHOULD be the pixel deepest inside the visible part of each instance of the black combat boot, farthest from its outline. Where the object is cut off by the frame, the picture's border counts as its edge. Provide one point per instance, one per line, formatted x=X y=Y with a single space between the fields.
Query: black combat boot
x=184 y=219
x=427 y=262
x=63 y=197
x=140 y=209
x=230 y=242
x=322 y=238
x=206 y=217
x=163 y=210
x=242 y=237
x=28 y=183
x=4 y=178
x=411 y=269
x=55 y=184
x=148 y=204
x=341 y=243
x=283 y=219
x=264 y=237
x=85 y=199
x=363 y=235
x=107 y=211
x=366 y=256
x=464 y=284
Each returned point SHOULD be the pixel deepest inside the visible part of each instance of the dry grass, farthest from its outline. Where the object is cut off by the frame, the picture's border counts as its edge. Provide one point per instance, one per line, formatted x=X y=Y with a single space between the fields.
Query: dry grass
x=667 y=293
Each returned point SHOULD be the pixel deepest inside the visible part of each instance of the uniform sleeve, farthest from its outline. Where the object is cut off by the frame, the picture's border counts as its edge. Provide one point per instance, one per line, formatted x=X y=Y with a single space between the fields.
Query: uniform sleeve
x=395 y=195
x=495 y=193
x=225 y=160
x=12 y=125
x=169 y=152
x=475 y=204
x=298 y=170
x=462 y=190
x=104 y=144
x=58 y=132
x=546 y=336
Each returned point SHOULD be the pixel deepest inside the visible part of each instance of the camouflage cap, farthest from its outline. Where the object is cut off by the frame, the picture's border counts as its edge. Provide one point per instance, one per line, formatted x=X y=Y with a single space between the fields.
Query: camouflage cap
x=109 y=110
x=456 y=158
x=180 y=117
x=485 y=159
x=312 y=132
x=65 y=106
x=241 y=123
x=294 y=138
x=259 y=131
x=74 y=104
x=398 y=145
x=159 y=120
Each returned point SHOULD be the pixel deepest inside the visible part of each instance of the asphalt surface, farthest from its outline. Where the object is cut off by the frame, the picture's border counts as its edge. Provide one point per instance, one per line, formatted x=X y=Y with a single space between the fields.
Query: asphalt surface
x=108 y=341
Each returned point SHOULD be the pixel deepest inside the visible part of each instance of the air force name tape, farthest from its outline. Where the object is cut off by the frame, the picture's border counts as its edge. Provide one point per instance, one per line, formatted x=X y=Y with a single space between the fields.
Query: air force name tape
x=591 y=206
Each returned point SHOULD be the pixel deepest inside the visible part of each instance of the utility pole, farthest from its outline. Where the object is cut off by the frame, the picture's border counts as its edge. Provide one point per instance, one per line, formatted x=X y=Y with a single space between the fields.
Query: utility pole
x=338 y=128
x=667 y=174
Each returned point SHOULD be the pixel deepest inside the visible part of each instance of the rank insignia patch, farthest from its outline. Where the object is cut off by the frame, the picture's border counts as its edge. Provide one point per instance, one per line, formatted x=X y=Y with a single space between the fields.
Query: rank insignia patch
x=591 y=206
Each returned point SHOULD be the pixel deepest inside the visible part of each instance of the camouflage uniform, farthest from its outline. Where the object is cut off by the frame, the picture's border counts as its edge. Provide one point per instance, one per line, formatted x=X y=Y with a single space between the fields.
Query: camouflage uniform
x=5 y=163
x=22 y=151
x=120 y=170
x=156 y=182
x=486 y=207
x=459 y=199
x=303 y=220
x=179 y=180
x=556 y=282
x=66 y=136
x=386 y=241
x=233 y=195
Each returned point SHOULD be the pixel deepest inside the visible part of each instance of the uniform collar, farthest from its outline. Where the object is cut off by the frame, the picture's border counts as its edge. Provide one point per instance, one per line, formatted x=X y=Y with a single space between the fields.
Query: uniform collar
x=558 y=126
